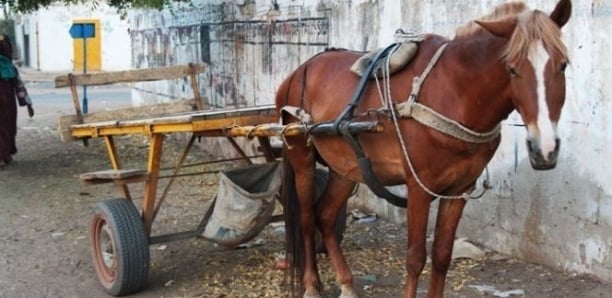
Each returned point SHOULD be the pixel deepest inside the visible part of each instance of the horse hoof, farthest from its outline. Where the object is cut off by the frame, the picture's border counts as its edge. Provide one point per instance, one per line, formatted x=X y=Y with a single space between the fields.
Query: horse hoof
x=348 y=292
x=312 y=294
x=281 y=264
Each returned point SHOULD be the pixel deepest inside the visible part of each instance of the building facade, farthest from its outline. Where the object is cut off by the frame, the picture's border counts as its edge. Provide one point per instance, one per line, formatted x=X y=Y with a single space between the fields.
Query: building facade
x=44 y=41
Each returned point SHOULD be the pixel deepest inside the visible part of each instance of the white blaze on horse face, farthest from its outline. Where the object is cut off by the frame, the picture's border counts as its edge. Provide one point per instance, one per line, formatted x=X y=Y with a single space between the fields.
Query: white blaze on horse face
x=547 y=129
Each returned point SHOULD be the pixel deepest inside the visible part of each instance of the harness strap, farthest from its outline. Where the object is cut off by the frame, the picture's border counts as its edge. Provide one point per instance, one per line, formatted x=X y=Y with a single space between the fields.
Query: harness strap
x=342 y=122
x=365 y=165
x=435 y=120
x=439 y=122
x=348 y=113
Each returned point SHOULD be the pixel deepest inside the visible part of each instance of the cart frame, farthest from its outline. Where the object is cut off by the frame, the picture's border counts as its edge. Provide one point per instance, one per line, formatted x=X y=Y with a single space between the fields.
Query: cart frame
x=116 y=220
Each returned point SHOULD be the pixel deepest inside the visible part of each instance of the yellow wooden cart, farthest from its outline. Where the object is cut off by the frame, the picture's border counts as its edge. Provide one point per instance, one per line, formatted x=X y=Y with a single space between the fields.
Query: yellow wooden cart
x=119 y=233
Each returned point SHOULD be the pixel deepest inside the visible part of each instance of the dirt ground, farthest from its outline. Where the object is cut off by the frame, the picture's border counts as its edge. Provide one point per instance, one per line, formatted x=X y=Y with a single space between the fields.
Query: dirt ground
x=44 y=249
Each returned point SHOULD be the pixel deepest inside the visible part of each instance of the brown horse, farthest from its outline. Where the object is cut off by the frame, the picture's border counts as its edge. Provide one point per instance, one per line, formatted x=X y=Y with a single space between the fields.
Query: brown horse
x=513 y=58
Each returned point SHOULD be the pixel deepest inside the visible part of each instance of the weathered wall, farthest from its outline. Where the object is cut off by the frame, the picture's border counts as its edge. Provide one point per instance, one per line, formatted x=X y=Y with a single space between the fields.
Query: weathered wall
x=247 y=56
x=561 y=218
x=50 y=46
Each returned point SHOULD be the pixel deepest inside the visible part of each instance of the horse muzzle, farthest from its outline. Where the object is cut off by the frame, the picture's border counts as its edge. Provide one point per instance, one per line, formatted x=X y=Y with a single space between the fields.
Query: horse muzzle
x=536 y=156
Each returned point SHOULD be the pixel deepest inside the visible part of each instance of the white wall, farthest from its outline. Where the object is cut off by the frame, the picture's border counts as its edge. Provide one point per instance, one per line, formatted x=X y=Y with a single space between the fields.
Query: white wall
x=562 y=218
x=51 y=46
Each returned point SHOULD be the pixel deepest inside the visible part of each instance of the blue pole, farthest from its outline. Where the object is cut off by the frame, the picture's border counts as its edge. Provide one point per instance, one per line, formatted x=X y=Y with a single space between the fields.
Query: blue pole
x=84 y=71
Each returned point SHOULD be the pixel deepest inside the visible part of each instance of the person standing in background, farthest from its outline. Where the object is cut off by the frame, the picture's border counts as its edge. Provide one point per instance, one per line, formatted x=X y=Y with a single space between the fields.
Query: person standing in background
x=11 y=87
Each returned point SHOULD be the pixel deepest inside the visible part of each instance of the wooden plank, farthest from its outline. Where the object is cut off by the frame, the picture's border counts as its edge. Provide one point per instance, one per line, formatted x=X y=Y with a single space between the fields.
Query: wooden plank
x=177 y=106
x=170 y=117
x=202 y=123
x=119 y=182
x=112 y=174
x=64 y=127
x=127 y=76
x=196 y=89
x=120 y=177
x=75 y=100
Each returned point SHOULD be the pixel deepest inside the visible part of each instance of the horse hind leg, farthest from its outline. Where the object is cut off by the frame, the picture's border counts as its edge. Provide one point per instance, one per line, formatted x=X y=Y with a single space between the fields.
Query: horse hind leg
x=331 y=202
x=449 y=214
x=302 y=159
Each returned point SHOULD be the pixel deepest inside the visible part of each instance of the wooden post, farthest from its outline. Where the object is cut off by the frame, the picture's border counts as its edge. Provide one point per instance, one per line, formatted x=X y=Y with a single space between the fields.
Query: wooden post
x=194 y=87
x=77 y=105
x=111 y=149
x=75 y=98
x=266 y=148
x=239 y=150
x=150 y=193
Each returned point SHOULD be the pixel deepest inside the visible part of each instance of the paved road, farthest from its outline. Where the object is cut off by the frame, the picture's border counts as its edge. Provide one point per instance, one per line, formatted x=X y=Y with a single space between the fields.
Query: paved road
x=99 y=97
x=43 y=245
x=44 y=94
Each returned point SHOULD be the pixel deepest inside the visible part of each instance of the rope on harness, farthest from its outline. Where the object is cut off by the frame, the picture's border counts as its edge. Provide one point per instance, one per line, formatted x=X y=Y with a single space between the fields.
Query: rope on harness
x=428 y=117
x=436 y=121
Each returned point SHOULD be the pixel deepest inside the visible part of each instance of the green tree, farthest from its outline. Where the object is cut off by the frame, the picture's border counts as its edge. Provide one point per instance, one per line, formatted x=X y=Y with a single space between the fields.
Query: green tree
x=25 y=6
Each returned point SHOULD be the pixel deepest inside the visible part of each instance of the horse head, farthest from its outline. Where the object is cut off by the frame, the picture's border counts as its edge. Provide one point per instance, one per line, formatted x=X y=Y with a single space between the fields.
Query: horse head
x=535 y=58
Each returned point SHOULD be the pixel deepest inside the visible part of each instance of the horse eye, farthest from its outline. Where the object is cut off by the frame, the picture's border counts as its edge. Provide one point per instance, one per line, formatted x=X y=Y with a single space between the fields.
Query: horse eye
x=563 y=66
x=512 y=72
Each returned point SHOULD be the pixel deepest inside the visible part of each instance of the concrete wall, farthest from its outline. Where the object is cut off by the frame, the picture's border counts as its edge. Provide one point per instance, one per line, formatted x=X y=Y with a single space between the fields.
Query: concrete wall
x=247 y=56
x=561 y=218
x=45 y=34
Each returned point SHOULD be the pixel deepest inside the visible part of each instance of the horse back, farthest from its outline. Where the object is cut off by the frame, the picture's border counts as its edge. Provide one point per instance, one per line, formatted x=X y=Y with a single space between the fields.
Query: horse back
x=324 y=85
x=314 y=83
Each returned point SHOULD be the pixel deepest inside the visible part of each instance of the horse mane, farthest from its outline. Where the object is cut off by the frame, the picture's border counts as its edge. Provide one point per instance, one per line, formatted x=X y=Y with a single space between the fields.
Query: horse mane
x=498 y=13
x=532 y=26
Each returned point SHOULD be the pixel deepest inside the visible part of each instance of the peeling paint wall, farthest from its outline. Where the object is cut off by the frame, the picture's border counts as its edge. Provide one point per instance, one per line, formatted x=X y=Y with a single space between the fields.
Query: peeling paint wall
x=247 y=55
x=561 y=218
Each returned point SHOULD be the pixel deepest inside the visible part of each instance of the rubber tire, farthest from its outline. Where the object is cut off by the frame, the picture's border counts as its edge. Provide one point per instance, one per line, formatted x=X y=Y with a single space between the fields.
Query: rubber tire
x=118 y=222
x=321 y=177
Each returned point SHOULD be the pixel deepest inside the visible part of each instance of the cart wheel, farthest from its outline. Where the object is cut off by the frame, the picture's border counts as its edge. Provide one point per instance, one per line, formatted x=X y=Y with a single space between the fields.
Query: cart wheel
x=119 y=247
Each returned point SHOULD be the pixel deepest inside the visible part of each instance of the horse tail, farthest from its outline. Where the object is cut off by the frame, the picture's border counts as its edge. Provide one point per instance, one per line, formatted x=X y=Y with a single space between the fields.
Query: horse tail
x=288 y=196
x=289 y=94
x=294 y=242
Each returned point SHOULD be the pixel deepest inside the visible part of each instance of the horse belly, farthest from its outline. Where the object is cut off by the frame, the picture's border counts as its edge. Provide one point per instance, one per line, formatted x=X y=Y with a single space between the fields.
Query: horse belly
x=338 y=155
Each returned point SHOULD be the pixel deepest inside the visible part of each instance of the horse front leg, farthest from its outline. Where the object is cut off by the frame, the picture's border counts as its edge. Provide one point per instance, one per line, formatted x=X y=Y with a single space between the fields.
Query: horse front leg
x=417 y=213
x=332 y=200
x=449 y=214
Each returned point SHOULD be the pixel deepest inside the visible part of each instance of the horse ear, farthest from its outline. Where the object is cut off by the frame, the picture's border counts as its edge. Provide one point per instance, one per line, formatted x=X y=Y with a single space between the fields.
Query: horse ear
x=562 y=12
x=503 y=28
